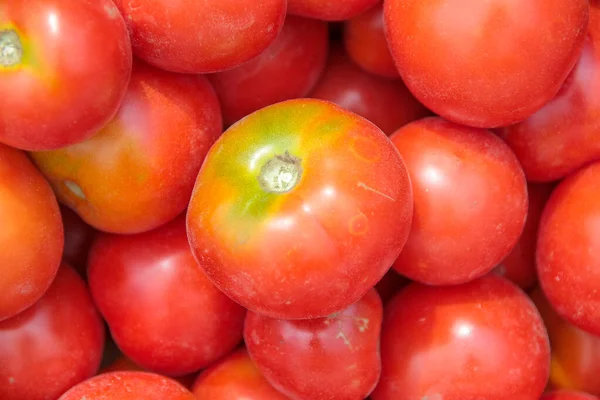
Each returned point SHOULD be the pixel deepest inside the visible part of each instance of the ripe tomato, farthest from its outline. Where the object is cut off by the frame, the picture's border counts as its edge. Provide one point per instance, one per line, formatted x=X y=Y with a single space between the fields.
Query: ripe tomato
x=78 y=240
x=194 y=36
x=124 y=363
x=568 y=249
x=189 y=323
x=470 y=201
x=331 y=10
x=128 y=385
x=54 y=344
x=139 y=171
x=234 y=377
x=485 y=63
x=336 y=357
x=299 y=209
x=31 y=233
x=388 y=104
x=479 y=340
x=66 y=65
x=288 y=68
x=568 y=395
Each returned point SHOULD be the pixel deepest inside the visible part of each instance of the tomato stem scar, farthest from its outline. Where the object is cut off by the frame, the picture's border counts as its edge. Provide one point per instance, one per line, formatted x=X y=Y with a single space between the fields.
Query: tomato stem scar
x=11 y=49
x=280 y=174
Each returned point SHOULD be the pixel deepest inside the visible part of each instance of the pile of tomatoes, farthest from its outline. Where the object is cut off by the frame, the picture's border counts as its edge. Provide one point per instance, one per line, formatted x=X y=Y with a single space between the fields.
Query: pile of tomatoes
x=299 y=199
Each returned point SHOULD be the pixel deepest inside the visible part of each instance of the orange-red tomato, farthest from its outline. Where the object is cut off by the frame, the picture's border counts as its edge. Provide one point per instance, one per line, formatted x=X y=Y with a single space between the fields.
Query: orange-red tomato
x=331 y=10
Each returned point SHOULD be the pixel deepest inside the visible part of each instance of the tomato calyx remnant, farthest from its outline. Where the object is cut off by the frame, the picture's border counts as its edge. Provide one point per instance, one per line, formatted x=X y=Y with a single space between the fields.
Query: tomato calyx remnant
x=11 y=49
x=280 y=174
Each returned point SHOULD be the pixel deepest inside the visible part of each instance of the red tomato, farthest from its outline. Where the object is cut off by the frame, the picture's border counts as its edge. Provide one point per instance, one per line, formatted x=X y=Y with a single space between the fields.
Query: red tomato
x=139 y=171
x=234 y=377
x=567 y=395
x=564 y=134
x=519 y=265
x=128 y=385
x=365 y=42
x=299 y=209
x=331 y=10
x=480 y=340
x=386 y=103
x=201 y=36
x=568 y=249
x=336 y=357
x=78 y=240
x=124 y=363
x=53 y=345
x=485 y=63
x=470 y=201
x=31 y=233
x=66 y=65
x=288 y=68
x=188 y=324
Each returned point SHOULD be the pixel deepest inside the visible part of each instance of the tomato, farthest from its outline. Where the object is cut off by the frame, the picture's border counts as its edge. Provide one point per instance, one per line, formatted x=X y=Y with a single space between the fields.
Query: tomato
x=485 y=63
x=365 y=42
x=575 y=353
x=563 y=135
x=32 y=233
x=54 y=344
x=332 y=10
x=386 y=103
x=188 y=323
x=139 y=171
x=336 y=357
x=63 y=89
x=124 y=363
x=128 y=385
x=568 y=395
x=299 y=209
x=288 y=68
x=568 y=249
x=479 y=340
x=234 y=377
x=78 y=240
x=519 y=265
x=470 y=201
x=193 y=36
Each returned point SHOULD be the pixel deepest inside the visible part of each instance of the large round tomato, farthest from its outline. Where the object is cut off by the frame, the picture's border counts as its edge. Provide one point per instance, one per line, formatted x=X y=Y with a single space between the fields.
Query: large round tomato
x=64 y=69
x=299 y=209
x=485 y=63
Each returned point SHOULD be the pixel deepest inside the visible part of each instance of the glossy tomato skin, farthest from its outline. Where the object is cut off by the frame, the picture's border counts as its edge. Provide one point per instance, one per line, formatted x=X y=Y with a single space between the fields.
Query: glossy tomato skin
x=470 y=201
x=388 y=104
x=336 y=222
x=190 y=36
x=336 y=357
x=567 y=395
x=365 y=43
x=332 y=10
x=568 y=249
x=189 y=323
x=79 y=237
x=289 y=68
x=563 y=135
x=53 y=345
x=139 y=171
x=479 y=340
x=478 y=63
x=234 y=377
x=128 y=385
x=32 y=233
x=64 y=89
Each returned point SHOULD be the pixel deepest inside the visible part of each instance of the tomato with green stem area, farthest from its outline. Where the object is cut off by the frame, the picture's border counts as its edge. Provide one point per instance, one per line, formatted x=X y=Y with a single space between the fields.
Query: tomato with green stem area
x=299 y=209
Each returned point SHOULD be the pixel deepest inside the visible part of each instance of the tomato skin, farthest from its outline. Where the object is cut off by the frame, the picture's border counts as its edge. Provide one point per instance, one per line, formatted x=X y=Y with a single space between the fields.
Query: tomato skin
x=139 y=171
x=190 y=36
x=188 y=323
x=478 y=63
x=288 y=68
x=386 y=103
x=64 y=90
x=79 y=237
x=338 y=229
x=568 y=249
x=124 y=363
x=234 y=377
x=479 y=340
x=336 y=357
x=128 y=385
x=54 y=344
x=567 y=395
x=332 y=10
x=31 y=228
x=470 y=201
